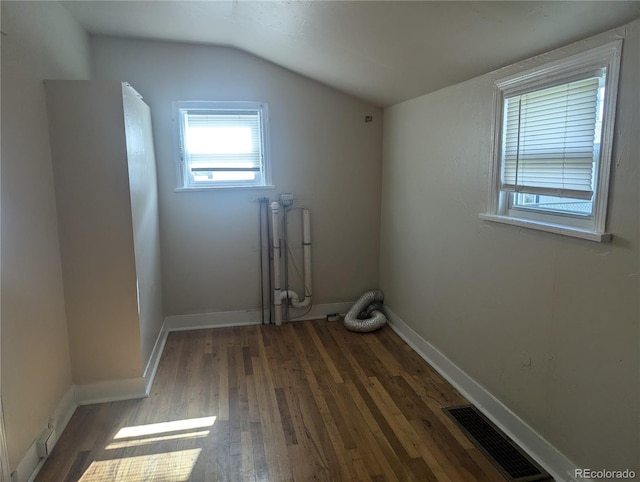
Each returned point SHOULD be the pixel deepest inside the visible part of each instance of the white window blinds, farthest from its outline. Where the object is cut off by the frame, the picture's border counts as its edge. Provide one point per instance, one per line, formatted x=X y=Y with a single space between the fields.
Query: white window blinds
x=548 y=142
x=223 y=140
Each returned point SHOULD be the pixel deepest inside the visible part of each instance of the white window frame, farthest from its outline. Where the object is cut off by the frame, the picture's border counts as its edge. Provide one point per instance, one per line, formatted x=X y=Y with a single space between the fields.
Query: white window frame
x=554 y=73
x=185 y=183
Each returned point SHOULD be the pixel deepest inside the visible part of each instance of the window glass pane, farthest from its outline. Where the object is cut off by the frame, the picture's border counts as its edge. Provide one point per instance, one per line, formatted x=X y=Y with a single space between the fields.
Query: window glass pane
x=222 y=176
x=219 y=140
x=556 y=204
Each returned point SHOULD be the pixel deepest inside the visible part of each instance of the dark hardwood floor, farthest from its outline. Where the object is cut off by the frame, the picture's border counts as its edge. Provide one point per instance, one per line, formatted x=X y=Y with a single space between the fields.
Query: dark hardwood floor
x=305 y=401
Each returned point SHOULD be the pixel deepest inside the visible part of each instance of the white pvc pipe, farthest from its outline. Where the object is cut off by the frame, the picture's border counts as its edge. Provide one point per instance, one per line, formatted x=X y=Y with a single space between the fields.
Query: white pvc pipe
x=291 y=295
x=306 y=246
x=306 y=249
x=277 y=301
x=278 y=294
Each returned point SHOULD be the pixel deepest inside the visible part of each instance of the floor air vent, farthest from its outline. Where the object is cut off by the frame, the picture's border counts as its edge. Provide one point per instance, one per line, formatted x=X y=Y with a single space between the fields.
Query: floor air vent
x=510 y=459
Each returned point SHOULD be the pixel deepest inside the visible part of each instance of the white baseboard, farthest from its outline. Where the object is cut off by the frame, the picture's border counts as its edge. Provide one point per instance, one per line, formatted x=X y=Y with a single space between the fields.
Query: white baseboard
x=31 y=463
x=29 y=466
x=218 y=319
x=321 y=311
x=154 y=359
x=223 y=319
x=64 y=411
x=4 y=452
x=558 y=466
x=111 y=391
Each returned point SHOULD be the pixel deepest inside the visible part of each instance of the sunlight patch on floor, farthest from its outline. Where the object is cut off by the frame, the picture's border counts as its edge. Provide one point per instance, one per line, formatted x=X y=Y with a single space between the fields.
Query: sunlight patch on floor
x=175 y=466
x=151 y=440
x=164 y=427
x=130 y=462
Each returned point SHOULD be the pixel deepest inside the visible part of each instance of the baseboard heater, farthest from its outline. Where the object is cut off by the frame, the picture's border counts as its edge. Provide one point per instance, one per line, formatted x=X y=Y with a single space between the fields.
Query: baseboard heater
x=504 y=453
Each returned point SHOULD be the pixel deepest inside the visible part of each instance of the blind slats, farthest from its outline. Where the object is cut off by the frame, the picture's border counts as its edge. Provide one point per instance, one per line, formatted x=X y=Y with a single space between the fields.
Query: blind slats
x=548 y=140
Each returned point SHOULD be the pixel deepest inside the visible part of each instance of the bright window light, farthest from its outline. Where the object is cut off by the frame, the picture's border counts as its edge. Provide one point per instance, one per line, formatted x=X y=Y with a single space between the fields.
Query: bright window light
x=219 y=140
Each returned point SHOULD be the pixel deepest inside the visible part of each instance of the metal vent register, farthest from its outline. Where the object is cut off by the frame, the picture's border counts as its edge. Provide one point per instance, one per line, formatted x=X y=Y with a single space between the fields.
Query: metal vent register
x=510 y=459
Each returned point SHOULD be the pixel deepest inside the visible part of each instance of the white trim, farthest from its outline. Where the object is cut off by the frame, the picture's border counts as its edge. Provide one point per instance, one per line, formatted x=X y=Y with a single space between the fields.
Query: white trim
x=111 y=391
x=603 y=175
x=495 y=199
x=30 y=465
x=558 y=465
x=217 y=319
x=213 y=188
x=548 y=227
x=220 y=319
x=562 y=68
x=4 y=453
x=321 y=311
x=154 y=359
x=64 y=411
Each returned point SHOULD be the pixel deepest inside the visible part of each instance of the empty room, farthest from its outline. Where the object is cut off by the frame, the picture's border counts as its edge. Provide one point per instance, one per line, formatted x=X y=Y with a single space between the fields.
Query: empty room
x=320 y=240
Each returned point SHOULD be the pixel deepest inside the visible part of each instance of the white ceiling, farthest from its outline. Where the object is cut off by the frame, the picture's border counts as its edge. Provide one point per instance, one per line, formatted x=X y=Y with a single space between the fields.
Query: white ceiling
x=384 y=52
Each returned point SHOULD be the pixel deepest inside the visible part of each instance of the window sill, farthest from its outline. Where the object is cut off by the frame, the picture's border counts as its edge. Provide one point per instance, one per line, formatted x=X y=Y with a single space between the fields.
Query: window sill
x=215 y=188
x=548 y=227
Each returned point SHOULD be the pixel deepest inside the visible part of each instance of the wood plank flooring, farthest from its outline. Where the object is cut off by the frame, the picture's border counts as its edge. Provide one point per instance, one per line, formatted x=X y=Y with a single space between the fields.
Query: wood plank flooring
x=305 y=401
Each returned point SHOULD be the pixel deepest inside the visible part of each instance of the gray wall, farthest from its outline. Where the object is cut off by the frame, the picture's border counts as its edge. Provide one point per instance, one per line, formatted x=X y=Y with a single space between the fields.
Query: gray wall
x=548 y=324
x=321 y=150
x=42 y=41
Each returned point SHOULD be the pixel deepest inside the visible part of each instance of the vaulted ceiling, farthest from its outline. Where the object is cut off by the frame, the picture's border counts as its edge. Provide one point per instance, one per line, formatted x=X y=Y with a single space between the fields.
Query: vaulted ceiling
x=384 y=52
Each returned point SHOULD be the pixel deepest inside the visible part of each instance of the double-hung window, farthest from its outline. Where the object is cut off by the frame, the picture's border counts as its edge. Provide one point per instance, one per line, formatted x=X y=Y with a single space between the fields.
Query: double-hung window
x=222 y=144
x=553 y=131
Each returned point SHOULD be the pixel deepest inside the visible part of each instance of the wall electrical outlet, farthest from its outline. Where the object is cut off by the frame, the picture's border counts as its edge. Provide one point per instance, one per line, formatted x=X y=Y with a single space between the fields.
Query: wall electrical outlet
x=286 y=199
